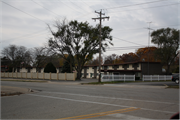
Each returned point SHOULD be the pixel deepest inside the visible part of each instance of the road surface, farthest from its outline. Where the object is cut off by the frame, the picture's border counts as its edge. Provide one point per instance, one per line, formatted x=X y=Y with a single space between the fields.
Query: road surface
x=69 y=100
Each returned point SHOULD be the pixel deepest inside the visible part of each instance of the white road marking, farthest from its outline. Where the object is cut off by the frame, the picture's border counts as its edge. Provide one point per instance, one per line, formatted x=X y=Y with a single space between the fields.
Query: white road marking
x=97 y=103
x=79 y=100
x=80 y=87
x=111 y=98
x=127 y=117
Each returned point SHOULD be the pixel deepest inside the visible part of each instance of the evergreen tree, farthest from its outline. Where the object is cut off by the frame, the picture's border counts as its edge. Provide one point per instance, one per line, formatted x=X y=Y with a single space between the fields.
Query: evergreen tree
x=50 y=68
x=66 y=66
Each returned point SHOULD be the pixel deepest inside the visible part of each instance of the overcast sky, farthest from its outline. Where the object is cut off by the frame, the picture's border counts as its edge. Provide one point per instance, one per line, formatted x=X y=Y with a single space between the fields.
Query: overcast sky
x=24 y=22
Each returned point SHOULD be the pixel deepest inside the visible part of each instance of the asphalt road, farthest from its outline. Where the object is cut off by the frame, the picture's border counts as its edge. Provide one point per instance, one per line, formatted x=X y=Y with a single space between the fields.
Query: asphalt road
x=56 y=100
x=164 y=83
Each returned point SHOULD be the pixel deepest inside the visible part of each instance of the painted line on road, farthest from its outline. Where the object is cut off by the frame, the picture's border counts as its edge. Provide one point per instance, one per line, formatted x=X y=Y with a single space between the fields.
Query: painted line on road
x=96 y=113
x=97 y=103
x=111 y=98
x=101 y=114
x=80 y=87
x=79 y=100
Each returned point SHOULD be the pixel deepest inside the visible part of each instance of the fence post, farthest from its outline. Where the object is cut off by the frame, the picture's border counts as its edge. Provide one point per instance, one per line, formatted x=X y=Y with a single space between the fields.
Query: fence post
x=124 y=77
x=151 y=77
x=101 y=78
x=65 y=76
x=74 y=76
x=134 y=78
x=113 y=77
x=8 y=74
x=158 y=77
x=26 y=75
x=143 y=78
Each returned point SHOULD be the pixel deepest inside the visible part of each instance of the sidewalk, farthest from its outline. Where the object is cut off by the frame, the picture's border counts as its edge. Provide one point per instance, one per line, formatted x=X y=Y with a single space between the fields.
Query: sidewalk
x=9 y=90
x=83 y=80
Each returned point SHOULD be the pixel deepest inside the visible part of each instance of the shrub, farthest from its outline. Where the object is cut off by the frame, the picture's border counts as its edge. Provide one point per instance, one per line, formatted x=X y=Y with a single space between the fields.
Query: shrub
x=50 y=68
x=137 y=78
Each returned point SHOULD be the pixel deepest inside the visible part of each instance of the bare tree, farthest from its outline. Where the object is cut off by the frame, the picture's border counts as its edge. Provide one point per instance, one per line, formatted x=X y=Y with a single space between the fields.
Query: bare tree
x=18 y=55
x=39 y=56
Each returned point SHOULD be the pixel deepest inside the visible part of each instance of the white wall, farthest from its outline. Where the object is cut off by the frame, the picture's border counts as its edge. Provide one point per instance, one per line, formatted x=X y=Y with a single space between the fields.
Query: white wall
x=33 y=70
x=130 y=67
x=120 y=67
x=139 y=68
x=23 y=70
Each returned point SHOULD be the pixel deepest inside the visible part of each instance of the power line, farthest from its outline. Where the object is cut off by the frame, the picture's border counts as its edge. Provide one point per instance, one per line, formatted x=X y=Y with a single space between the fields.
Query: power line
x=77 y=5
x=84 y=15
x=46 y=8
x=123 y=49
x=127 y=41
x=31 y=16
x=32 y=34
x=22 y=11
x=143 y=28
x=135 y=4
x=69 y=6
x=126 y=47
x=143 y=8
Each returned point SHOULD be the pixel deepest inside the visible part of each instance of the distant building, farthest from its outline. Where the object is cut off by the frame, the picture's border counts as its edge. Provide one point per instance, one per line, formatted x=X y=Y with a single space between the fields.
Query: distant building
x=4 y=64
x=91 y=71
x=133 y=68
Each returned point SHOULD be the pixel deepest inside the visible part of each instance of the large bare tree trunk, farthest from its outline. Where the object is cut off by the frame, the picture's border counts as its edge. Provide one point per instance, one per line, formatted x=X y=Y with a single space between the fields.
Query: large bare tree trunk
x=78 y=75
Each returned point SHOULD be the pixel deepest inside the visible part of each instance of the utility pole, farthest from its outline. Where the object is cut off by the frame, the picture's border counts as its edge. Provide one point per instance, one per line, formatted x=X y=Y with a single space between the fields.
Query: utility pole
x=100 y=18
x=148 y=43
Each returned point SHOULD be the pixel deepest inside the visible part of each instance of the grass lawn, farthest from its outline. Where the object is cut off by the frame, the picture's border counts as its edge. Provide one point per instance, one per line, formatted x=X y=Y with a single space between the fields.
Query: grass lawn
x=113 y=82
x=172 y=86
x=19 y=80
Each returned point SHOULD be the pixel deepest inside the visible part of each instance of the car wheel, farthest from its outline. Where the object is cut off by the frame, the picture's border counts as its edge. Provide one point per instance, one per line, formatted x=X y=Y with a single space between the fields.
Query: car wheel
x=177 y=81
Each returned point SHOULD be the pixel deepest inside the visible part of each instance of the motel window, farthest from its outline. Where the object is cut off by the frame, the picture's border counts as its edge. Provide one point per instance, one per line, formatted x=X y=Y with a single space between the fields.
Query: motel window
x=126 y=65
x=106 y=67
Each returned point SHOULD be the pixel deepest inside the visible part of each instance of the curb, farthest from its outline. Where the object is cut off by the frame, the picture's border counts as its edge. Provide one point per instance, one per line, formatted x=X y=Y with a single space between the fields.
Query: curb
x=135 y=86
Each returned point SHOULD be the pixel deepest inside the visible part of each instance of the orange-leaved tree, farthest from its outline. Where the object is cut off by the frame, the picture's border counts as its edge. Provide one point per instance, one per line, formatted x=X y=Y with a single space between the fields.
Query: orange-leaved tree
x=147 y=54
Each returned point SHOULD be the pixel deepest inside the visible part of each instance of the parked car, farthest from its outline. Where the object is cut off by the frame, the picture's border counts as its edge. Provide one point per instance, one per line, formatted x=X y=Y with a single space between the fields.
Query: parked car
x=175 y=116
x=175 y=78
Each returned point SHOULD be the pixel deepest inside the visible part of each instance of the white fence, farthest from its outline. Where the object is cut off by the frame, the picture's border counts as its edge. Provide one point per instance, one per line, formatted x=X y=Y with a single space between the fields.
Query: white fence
x=156 y=77
x=109 y=78
x=49 y=76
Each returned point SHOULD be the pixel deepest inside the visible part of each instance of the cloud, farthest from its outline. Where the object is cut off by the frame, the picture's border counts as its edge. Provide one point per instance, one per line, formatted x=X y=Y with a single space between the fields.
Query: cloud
x=128 y=23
